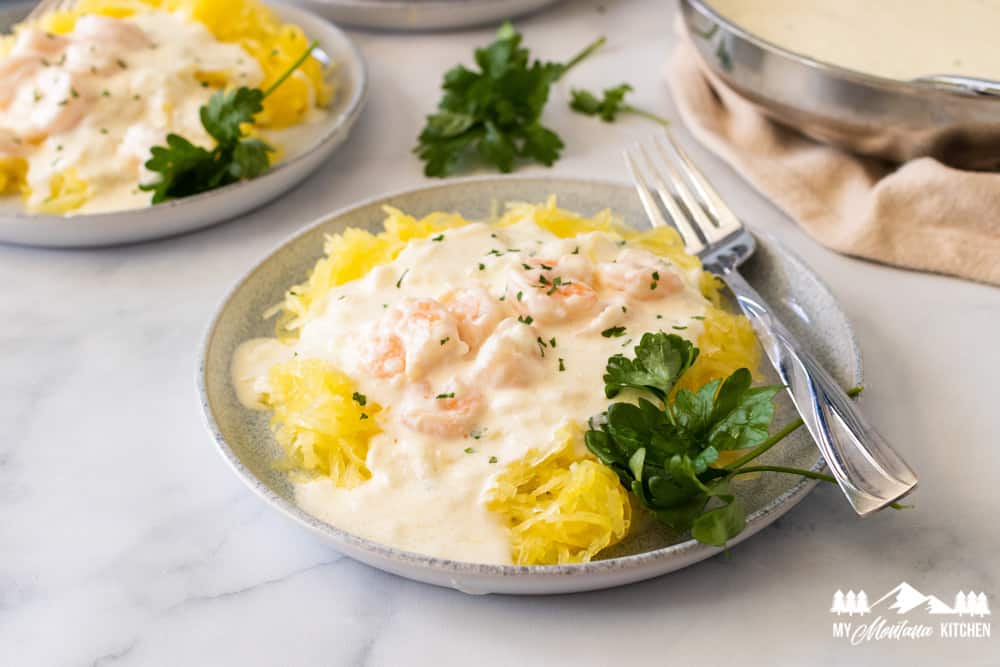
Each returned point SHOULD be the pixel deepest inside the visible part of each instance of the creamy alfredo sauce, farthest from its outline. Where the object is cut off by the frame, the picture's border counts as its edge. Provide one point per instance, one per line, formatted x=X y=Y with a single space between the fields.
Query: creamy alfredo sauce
x=97 y=99
x=897 y=39
x=426 y=493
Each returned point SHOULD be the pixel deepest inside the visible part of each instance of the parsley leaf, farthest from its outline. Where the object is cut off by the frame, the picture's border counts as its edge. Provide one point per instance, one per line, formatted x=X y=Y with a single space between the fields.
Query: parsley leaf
x=494 y=112
x=668 y=453
x=185 y=169
x=660 y=360
x=609 y=105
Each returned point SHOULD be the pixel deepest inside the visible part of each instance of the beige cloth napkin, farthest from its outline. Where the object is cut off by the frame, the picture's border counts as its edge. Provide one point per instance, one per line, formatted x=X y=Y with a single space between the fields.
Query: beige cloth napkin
x=920 y=215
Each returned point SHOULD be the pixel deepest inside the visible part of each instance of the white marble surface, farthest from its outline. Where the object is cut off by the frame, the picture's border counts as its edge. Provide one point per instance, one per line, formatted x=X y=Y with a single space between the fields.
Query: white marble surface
x=125 y=540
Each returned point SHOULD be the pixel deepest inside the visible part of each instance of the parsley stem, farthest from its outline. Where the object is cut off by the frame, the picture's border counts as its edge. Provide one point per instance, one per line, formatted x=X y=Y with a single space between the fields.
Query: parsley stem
x=785 y=469
x=778 y=437
x=646 y=114
x=298 y=63
x=805 y=473
x=575 y=60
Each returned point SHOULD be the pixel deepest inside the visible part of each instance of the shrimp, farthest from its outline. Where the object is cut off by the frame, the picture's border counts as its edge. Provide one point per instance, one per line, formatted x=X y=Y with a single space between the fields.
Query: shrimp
x=640 y=275
x=59 y=107
x=555 y=291
x=38 y=43
x=89 y=51
x=104 y=30
x=446 y=415
x=10 y=145
x=511 y=356
x=476 y=312
x=412 y=337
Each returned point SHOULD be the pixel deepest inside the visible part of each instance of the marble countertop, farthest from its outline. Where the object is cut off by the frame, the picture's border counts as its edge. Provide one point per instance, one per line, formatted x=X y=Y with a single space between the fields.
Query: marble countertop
x=125 y=539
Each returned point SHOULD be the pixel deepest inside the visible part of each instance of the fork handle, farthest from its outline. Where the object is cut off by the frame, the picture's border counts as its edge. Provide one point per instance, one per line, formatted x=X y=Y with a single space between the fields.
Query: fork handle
x=869 y=472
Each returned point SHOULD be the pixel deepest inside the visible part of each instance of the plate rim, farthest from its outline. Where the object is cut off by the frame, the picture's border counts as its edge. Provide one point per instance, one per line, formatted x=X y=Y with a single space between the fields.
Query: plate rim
x=756 y=521
x=346 y=118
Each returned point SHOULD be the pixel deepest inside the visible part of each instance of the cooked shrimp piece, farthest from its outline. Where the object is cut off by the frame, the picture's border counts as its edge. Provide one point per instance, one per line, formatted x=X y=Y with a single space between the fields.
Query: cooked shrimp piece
x=510 y=357
x=640 y=275
x=552 y=290
x=411 y=338
x=614 y=313
x=476 y=312
x=15 y=70
x=450 y=414
x=10 y=145
x=105 y=30
x=60 y=105
x=36 y=42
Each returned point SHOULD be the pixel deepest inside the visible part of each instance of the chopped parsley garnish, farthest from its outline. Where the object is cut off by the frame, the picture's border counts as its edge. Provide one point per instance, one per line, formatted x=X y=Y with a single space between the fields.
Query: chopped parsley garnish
x=470 y=450
x=562 y=364
x=525 y=319
x=363 y=416
x=482 y=266
x=678 y=328
x=613 y=332
x=445 y=339
x=399 y=283
x=697 y=317
x=520 y=295
x=443 y=396
x=360 y=399
x=493 y=459
x=541 y=345
x=439 y=237
x=552 y=342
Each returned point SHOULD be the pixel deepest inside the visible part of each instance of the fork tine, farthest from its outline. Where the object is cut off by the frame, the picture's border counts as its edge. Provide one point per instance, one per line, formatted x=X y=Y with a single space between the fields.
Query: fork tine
x=726 y=221
x=695 y=212
x=677 y=219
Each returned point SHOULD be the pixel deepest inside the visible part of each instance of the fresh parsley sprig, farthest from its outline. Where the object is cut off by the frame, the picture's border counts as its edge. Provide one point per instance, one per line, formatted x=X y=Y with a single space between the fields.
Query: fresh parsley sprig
x=667 y=452
x=187 y=169
x=609 y=105
x=494 y=112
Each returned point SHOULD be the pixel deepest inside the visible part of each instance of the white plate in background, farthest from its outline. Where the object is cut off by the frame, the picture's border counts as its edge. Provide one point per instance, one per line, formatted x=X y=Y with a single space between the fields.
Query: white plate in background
x=421 y=14
x=190 y=213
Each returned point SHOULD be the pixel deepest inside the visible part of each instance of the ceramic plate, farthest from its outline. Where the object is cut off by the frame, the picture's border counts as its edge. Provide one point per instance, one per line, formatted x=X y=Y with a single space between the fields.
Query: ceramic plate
x=421 y=14
x=244 y=439
x=182 y=215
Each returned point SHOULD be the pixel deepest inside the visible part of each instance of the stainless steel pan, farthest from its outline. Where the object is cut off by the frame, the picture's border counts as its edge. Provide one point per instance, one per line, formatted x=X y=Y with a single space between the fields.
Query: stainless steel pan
x=955 y=119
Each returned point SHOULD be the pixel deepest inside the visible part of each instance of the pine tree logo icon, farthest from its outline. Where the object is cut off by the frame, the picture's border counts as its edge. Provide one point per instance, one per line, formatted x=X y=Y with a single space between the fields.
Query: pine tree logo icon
x=852 y=603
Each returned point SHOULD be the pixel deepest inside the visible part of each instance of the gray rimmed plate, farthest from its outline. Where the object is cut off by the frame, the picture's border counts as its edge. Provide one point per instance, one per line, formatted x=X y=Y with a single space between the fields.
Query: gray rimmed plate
x=190 y=213
x=799 y=297
x=422 y=14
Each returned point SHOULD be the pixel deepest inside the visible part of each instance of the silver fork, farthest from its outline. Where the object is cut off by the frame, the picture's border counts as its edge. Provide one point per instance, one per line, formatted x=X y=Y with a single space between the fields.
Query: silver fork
x=870 y=473
x=46 y=6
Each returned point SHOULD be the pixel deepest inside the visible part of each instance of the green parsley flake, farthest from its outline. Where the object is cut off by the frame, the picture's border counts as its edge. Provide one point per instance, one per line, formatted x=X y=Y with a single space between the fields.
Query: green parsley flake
x=613 y=332
x=448 y=395
x=360 y=399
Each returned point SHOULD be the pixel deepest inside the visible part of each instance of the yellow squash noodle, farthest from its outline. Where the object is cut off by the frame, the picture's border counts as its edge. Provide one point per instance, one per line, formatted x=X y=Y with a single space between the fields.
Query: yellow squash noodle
x=560 y=506
x=321 y=427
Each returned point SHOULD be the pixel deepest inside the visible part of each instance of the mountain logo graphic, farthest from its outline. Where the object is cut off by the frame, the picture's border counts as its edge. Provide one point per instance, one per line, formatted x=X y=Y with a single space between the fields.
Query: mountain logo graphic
x=904 y=598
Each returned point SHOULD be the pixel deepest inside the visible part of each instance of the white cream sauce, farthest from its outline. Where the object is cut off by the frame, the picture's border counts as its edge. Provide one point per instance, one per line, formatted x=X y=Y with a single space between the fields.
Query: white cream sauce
x=897 y=39
x=97 y=99
x=426 y=493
